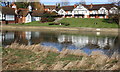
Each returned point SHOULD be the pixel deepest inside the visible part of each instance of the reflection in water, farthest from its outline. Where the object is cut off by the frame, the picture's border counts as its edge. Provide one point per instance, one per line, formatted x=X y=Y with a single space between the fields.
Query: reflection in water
x=84 y=42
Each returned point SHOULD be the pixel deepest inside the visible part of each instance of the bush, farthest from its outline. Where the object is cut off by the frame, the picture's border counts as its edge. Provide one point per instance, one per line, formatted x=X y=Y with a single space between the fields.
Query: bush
x=47 y=17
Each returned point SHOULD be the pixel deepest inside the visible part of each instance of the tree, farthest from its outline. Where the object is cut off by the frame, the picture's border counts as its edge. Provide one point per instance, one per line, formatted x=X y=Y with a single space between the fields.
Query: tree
x=57 y=5
x=22 y=4
x=64 y=3
x=116 y=17
x=38 y=6
x=81 y=2
x=5 y=4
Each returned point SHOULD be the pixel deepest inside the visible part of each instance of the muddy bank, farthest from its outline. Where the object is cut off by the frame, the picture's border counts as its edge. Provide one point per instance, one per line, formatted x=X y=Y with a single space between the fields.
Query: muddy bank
x=73 y=30
x=61 y=28
x=66 y=59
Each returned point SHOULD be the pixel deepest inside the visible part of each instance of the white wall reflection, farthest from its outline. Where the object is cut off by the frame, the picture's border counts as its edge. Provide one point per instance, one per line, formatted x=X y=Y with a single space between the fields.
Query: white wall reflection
x=9 y=35
x=82 y=41
x=28 y=35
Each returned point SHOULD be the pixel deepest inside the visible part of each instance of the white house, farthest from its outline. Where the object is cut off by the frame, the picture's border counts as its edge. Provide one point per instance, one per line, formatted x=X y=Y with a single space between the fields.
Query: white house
x=88 y=11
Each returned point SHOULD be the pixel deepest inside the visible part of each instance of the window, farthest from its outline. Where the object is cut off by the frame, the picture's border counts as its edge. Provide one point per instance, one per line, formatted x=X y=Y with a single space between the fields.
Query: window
x=10 y=17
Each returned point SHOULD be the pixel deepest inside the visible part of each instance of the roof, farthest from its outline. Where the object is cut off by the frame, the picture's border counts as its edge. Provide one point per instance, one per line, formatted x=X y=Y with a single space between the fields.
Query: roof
x=98 y=6
x=22 y=12
x=94 y=7
x=37 y=13
x=67 y=8
x=8 y=10
x=50 y=6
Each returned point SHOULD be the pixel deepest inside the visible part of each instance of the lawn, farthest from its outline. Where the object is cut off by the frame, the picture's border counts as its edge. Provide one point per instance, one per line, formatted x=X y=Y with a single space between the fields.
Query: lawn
x=77 y=22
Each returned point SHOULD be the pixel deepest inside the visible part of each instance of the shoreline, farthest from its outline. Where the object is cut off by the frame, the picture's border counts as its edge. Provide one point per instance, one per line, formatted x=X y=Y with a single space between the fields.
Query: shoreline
x=111 y=31
x=63 y=28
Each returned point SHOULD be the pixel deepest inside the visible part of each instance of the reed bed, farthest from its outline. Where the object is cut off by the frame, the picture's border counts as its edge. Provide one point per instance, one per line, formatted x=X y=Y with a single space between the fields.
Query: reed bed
x=49 y=58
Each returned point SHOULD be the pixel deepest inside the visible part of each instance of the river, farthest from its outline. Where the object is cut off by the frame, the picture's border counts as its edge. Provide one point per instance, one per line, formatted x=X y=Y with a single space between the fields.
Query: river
x=86 y=42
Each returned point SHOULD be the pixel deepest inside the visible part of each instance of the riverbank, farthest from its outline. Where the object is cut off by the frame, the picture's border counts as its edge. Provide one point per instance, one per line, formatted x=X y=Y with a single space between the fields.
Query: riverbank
x=37 y=57
x=80 y=29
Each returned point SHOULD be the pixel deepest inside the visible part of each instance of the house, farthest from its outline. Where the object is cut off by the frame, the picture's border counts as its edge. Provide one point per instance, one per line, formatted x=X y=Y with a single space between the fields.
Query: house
x=28 y=15
x=24 y=16
x=7 y=15
x=66 y=11
x=36 y=15
x=87 y=11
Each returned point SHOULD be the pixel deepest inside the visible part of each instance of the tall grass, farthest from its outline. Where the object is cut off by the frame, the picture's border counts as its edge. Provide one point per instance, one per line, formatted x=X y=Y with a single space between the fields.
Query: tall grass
x=38 y=57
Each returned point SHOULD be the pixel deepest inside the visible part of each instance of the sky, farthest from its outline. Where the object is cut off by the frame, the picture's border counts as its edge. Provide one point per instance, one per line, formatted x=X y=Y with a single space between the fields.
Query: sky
x=53 y=2
x=71 y=2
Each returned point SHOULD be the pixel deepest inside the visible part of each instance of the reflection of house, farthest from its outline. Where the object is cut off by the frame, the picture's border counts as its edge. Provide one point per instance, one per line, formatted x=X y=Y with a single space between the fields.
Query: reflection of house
x=82 y=41
x=28 y=35
x=9 y=35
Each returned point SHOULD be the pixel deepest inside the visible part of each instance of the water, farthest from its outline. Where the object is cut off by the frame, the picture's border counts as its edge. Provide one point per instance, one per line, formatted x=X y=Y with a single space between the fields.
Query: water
x=85 y=42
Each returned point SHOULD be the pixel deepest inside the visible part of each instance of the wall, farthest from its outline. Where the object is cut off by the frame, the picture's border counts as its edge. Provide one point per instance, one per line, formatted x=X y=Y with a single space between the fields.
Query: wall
x=28 y=18
x=0 y=16
x=36 y=18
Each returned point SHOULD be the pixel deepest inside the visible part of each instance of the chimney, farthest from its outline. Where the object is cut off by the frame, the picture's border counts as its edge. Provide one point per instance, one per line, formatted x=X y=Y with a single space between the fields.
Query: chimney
x=75 y=5
x=91 y=6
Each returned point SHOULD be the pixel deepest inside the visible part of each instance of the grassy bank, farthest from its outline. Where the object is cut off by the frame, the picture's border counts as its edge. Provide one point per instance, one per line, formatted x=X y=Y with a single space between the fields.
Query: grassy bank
x=77 y=22
x=36 y=57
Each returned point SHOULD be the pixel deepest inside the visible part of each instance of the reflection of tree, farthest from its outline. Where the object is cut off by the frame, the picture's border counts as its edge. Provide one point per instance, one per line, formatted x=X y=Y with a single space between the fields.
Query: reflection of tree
x=117 y=44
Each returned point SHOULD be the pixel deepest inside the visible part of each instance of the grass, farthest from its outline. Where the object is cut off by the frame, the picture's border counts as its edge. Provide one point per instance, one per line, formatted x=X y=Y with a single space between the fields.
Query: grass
x=50 y=59
x=32 y=59
x=17 y=58
x=76 y=22
x=71 y=58
x=20 y=57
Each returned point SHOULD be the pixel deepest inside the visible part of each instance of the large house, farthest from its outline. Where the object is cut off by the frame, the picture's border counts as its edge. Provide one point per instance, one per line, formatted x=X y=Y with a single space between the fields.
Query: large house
x=87 y=11
x=7 y=15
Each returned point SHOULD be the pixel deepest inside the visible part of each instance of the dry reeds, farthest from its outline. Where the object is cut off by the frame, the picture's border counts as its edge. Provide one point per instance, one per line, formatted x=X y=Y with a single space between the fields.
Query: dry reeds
x=97 y=59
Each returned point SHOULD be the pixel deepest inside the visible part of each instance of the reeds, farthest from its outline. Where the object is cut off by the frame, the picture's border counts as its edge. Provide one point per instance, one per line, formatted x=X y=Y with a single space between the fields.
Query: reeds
x=96 y=61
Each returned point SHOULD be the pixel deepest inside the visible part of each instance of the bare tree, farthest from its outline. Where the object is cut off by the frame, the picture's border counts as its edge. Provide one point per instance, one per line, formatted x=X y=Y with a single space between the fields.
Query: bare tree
x=64 y=3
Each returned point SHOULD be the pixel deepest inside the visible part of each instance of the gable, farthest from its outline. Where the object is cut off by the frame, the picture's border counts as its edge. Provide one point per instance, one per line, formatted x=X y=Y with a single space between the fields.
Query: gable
x=61 y=11
x=103 y=10
x=113 y=10
x=28 y=15
x=80 y=7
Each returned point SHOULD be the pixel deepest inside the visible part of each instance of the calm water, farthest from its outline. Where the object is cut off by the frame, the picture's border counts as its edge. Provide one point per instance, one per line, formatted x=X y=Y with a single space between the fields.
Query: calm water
x=85 y=42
